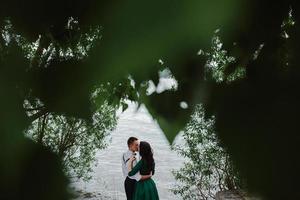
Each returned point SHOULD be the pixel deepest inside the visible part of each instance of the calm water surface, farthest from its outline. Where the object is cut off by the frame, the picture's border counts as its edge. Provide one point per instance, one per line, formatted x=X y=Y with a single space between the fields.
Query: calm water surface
x=107 y=181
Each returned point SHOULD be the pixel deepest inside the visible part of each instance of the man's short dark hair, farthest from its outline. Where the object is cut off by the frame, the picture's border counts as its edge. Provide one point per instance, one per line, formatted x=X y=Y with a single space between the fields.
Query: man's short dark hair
x=131 y=140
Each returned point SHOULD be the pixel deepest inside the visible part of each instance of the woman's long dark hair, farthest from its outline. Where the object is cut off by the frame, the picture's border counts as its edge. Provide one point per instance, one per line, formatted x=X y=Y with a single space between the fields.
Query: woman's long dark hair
x=147 y=155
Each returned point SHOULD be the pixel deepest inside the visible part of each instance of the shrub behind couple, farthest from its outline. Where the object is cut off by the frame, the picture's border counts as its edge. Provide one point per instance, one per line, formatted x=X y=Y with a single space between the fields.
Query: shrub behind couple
x=138 y=172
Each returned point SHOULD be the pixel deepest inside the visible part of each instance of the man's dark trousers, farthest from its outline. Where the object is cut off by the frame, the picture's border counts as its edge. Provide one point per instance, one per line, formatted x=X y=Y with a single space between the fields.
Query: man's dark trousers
x=129 y=187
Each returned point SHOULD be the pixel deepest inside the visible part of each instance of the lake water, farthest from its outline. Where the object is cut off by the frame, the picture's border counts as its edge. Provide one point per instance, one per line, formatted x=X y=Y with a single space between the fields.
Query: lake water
x=108 y=180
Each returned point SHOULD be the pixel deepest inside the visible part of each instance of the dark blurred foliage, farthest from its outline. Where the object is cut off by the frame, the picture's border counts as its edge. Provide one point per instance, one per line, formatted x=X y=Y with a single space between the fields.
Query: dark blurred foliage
x=34 y=17
x=166 y=106
x=31 y=171
x=27 y=171
x=256 y=117
x=62 y=86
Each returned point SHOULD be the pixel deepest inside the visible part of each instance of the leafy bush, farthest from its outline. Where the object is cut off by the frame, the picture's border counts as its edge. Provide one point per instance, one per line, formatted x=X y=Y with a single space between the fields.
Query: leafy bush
x=75 y=140
x=208 y=167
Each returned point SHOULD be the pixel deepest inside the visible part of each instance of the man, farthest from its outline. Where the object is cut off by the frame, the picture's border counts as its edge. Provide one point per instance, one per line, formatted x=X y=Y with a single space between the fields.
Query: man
x=133 y=145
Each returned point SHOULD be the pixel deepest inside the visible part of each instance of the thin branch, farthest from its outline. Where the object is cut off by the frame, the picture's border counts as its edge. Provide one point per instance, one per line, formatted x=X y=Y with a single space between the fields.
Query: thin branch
x=38 y=114
x=34 y=109
x=42 y=131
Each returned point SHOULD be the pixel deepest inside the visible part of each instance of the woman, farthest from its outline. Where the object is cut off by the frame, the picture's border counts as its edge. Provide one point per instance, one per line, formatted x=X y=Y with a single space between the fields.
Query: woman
x=144 y=189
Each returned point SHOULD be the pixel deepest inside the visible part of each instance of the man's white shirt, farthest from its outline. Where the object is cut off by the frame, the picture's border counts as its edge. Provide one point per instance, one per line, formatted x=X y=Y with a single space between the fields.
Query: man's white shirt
x=125 y=163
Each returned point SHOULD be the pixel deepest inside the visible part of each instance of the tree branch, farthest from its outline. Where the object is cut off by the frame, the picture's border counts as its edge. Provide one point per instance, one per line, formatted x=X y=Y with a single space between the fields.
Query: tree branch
x=38 y=115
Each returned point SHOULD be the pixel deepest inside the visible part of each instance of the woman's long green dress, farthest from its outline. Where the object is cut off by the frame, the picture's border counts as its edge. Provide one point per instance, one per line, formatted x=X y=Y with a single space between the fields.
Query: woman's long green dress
x=144 y=189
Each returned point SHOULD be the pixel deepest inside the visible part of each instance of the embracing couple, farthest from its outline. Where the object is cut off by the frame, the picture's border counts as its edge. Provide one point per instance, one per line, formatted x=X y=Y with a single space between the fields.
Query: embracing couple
x=138 y=171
